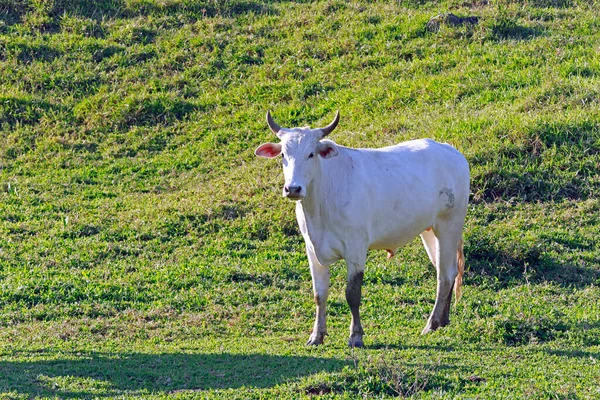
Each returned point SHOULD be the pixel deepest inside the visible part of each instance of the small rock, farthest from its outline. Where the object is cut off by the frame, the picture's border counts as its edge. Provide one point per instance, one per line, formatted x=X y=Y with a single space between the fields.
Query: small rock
x=476 y=379
x=450 y=19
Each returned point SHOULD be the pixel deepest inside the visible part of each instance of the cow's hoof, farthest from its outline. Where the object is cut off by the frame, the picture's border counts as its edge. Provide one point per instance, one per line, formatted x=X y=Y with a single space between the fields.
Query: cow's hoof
x=355 y=341
x=315 y=339
x=432 y=326
x=426 y=330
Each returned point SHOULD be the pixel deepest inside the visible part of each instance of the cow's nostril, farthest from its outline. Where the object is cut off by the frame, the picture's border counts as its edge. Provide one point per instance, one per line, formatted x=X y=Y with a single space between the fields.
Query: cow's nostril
x=293 y=192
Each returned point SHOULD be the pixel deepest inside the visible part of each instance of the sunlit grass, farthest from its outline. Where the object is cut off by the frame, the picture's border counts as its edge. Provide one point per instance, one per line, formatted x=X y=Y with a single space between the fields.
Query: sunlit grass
x=146 y=252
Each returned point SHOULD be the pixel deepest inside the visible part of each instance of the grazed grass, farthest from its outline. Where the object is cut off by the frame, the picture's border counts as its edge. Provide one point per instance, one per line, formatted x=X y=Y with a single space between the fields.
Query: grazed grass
x=145 y=252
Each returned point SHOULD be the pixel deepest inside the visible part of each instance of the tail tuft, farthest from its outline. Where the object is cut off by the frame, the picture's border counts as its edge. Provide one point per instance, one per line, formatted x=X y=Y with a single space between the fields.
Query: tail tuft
x=458 y=281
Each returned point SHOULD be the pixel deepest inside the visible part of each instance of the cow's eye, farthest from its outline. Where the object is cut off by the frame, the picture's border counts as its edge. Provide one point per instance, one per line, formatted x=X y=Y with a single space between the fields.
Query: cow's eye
x=311 y=155
x=282 y=155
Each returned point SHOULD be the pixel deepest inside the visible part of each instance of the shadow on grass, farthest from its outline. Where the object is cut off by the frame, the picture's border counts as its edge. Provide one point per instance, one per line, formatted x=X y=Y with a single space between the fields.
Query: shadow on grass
x=79 y=375
x=14 y=12
x=400 y=346
x=551 y=161
x=544 y=270
x=452 y=349
x=513 y=31
x=575 y=354
x=25 y=110
x=491 y=262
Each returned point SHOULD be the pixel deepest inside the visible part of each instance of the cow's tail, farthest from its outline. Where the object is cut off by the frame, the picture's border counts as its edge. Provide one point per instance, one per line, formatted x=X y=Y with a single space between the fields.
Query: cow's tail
x=458 y=281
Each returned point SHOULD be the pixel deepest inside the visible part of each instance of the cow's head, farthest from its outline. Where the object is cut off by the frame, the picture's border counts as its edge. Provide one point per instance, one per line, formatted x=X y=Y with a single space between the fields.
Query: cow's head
x=300 y=149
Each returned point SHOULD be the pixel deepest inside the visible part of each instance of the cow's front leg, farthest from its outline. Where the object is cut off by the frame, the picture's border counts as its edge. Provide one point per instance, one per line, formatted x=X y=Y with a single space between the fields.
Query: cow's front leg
x=356 y=272
x=320 y=280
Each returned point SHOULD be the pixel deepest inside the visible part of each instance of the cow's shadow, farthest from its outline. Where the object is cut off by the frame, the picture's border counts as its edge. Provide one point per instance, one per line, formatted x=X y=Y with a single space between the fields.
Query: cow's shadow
x=85 y=375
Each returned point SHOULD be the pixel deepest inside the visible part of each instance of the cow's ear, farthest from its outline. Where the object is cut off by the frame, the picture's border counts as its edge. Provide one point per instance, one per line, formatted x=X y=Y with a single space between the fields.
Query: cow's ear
x=327 y=149
x=268 y=150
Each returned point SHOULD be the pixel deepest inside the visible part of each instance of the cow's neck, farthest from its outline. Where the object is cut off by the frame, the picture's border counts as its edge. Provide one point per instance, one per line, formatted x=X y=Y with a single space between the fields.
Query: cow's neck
x=318 y=212
x=316 y=206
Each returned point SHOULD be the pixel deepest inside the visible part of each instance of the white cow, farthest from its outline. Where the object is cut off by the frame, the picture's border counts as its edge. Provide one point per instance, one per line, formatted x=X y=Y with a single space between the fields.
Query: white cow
x=351 y=200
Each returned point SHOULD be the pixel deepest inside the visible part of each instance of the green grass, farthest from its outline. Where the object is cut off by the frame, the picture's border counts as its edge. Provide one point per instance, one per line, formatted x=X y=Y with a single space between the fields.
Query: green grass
x=146 y=252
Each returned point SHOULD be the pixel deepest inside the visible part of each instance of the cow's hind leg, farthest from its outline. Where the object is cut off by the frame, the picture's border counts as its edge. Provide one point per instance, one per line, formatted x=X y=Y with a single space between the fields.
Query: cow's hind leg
x=430 y=244
x=446 y=262
x=356 y=270
x=320 y=280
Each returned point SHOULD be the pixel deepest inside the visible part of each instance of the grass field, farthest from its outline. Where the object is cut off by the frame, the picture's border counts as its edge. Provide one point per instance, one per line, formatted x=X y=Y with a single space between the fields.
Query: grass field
x=146 y=252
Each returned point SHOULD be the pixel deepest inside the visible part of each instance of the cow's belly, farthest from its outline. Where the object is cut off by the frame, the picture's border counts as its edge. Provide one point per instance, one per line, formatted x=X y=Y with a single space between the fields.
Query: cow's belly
x=390 y=233
x=393 y=241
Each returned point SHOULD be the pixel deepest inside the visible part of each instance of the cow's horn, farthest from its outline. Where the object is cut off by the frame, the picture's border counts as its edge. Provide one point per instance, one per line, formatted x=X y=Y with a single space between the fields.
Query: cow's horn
x=274 y=127
x=329 y=128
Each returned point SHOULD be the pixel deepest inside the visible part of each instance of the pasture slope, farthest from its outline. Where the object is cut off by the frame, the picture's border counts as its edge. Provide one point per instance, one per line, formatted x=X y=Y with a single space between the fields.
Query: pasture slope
x=146 y=252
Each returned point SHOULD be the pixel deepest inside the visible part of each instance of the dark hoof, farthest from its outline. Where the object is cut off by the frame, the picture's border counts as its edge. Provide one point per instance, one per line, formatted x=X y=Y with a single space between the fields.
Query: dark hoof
x=315 y=339
x=432 y=326
x=355 y=342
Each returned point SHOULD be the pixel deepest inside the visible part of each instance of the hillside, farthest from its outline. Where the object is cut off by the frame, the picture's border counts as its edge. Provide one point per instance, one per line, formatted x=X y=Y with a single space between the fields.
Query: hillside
x=145 y=250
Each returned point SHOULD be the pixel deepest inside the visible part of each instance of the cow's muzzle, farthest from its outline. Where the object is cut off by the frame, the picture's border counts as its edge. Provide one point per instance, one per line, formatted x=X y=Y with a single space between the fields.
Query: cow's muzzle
x=293 y=192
